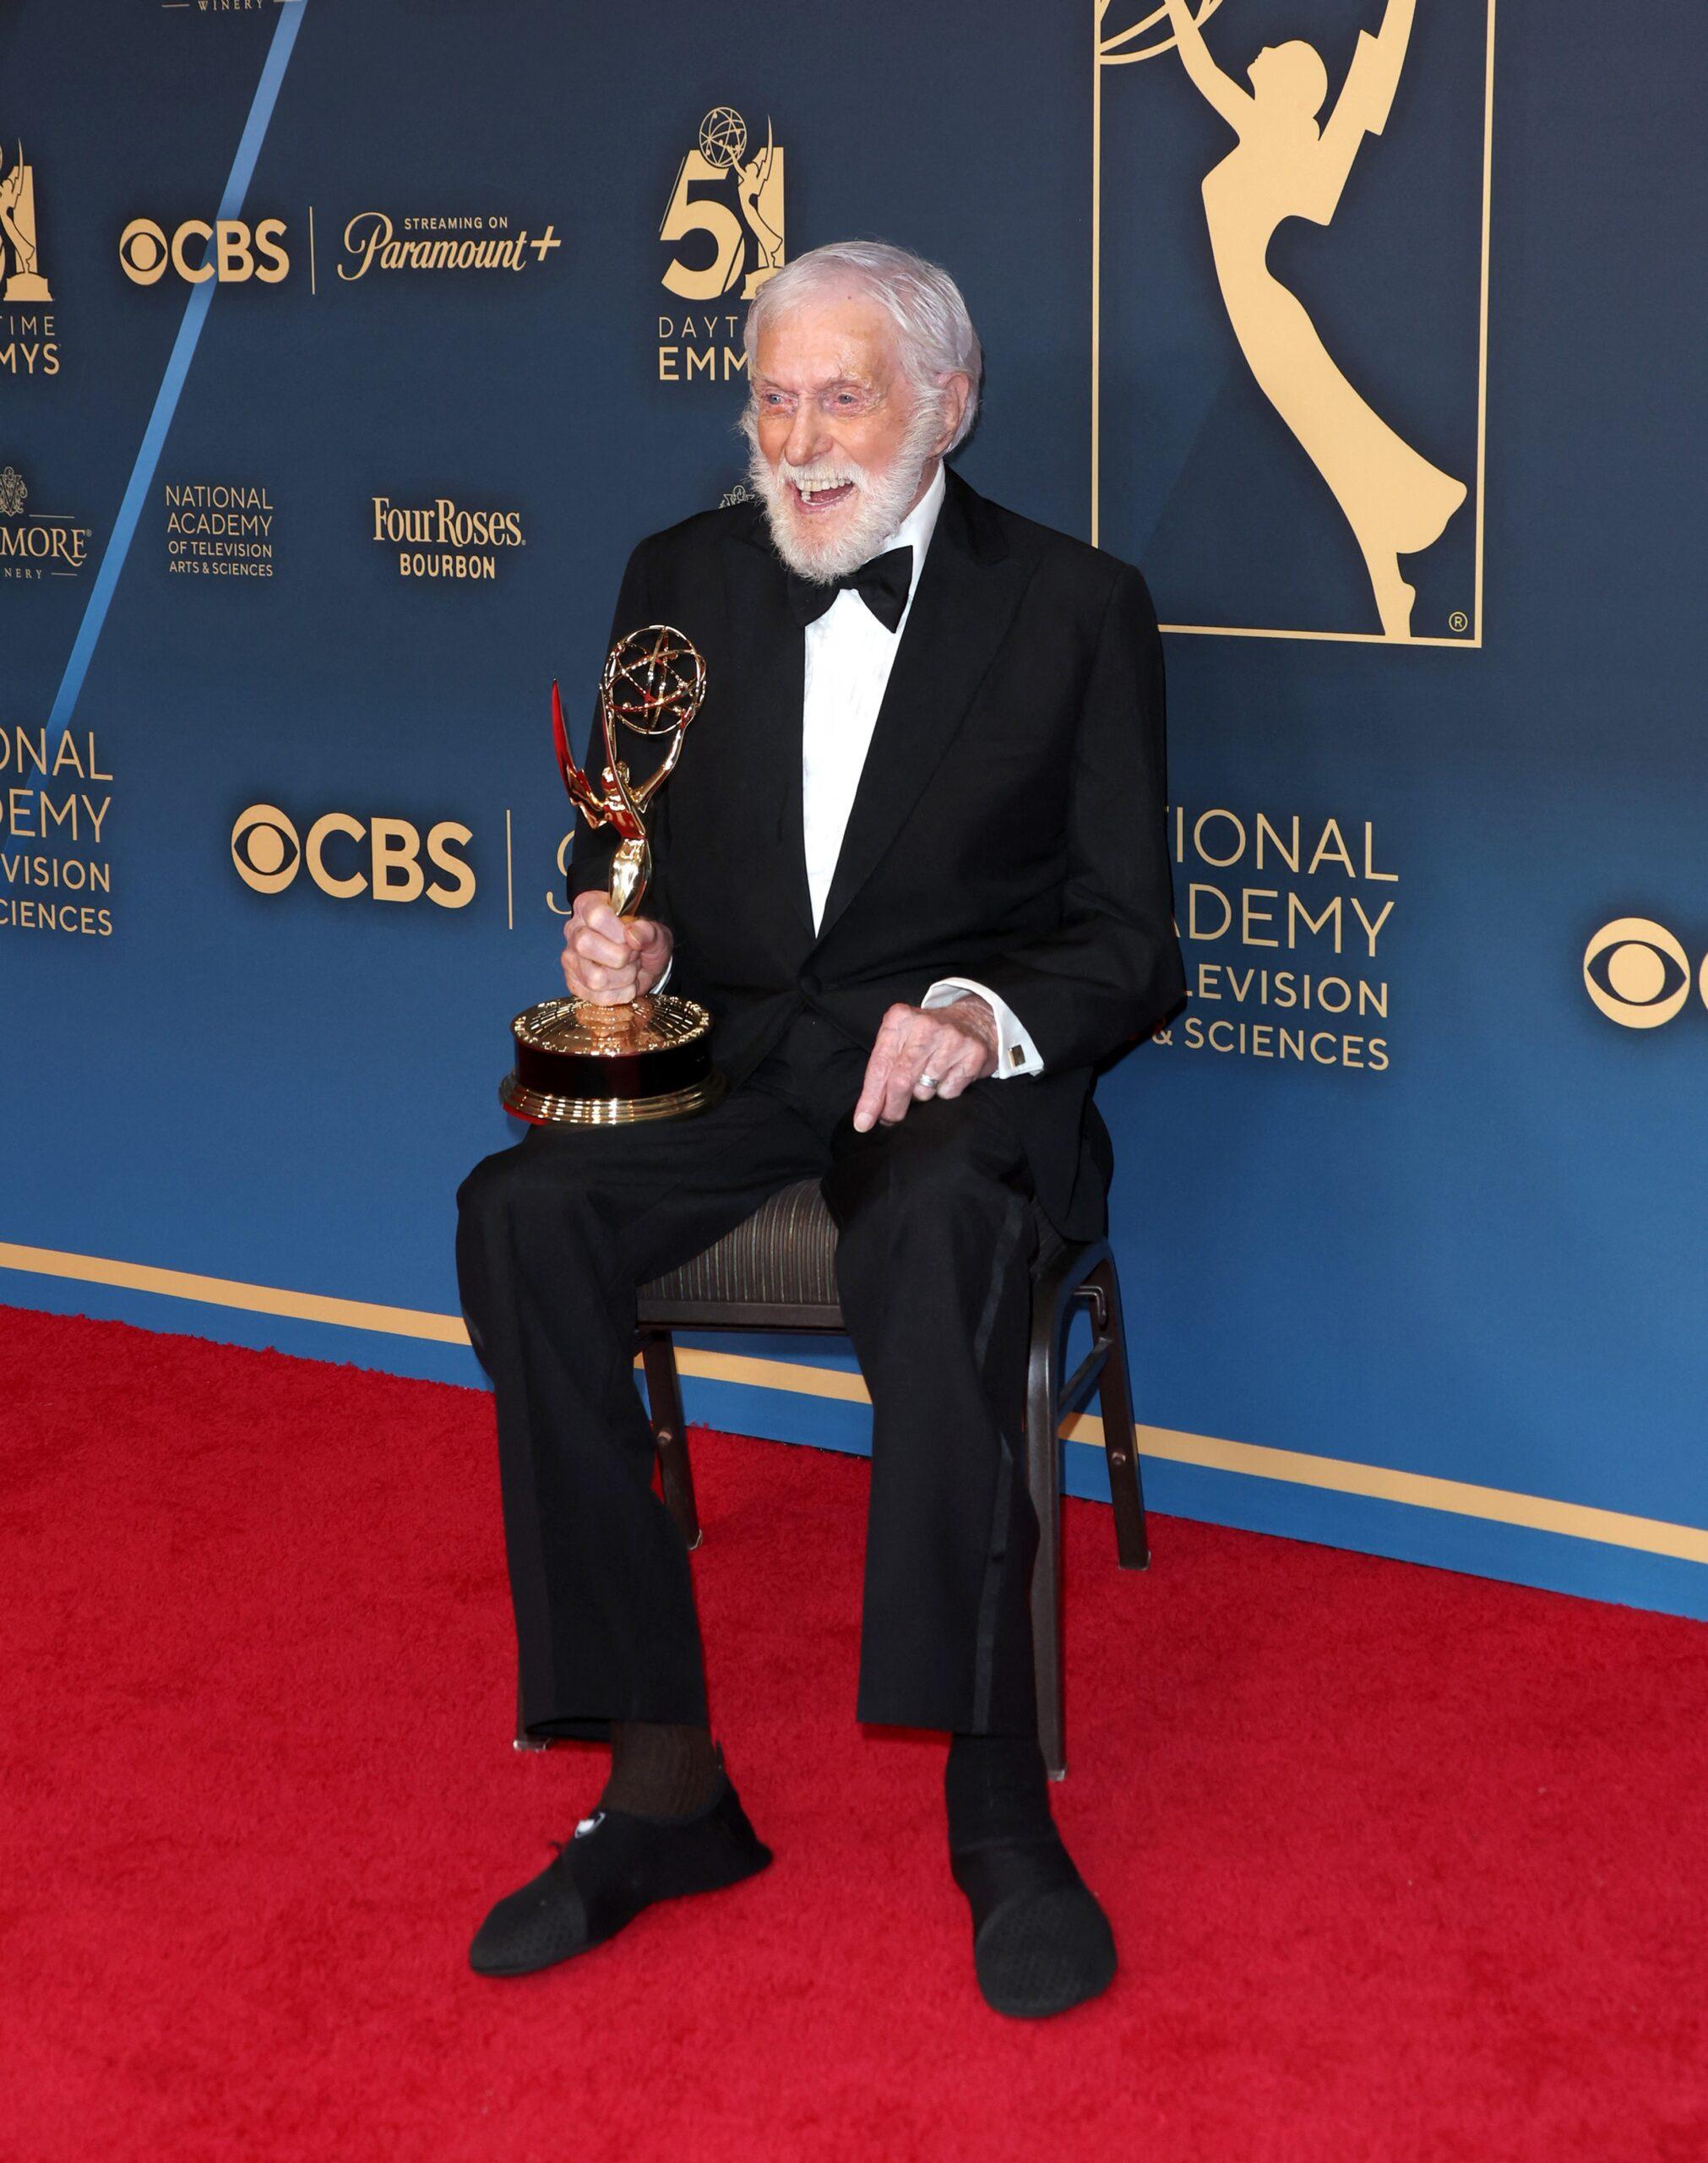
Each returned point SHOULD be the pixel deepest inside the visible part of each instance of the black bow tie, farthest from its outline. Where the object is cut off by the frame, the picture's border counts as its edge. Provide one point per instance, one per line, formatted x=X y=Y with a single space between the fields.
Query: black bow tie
x=883 y=585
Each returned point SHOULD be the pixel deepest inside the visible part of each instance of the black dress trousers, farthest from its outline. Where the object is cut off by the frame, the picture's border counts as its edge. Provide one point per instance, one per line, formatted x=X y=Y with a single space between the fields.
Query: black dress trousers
x=936 y=1232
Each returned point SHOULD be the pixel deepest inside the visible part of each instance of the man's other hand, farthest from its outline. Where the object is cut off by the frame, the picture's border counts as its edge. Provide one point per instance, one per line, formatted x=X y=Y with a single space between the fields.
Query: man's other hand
x=610 y=961
x=920 y=1054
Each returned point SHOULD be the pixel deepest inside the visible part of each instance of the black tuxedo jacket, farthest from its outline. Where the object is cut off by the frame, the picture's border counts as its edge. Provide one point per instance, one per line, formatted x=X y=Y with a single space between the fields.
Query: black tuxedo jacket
x=1009 y=822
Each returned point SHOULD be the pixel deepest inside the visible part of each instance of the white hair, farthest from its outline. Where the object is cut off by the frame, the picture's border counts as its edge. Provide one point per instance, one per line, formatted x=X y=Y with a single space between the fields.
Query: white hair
x=937 y=337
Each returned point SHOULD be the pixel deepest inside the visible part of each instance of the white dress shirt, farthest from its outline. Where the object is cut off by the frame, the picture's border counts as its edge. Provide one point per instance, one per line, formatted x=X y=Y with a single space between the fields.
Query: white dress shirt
x=850 y=654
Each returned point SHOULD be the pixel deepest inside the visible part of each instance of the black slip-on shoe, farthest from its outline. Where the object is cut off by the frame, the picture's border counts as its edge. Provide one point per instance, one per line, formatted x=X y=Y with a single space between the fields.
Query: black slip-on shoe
x=1041 y=1943
x=599 y=1880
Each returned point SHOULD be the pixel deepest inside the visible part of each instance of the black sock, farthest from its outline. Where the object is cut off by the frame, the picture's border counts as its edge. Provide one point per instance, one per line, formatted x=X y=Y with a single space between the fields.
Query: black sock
x=997 y=1789
x=661 y=1771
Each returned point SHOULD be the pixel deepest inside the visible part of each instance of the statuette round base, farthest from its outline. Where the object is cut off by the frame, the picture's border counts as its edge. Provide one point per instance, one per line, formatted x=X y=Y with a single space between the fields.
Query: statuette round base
x=582 y=1065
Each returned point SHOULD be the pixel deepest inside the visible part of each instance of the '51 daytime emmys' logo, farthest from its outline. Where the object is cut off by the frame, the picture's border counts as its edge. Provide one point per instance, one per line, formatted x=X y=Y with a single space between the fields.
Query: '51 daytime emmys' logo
x=21 y=279
x=724 y=220
x=1290 y=310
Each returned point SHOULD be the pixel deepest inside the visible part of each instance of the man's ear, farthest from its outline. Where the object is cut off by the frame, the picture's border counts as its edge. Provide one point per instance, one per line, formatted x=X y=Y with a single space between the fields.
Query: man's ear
x=956 y=390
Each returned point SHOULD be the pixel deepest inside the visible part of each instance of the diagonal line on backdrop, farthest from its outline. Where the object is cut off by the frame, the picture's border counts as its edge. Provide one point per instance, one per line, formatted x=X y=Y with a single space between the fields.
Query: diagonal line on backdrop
x=172 y=382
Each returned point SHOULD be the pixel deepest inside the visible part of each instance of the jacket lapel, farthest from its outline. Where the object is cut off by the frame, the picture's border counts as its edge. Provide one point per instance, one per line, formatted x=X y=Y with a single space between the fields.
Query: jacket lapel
x=766 y=688
x=967 y=593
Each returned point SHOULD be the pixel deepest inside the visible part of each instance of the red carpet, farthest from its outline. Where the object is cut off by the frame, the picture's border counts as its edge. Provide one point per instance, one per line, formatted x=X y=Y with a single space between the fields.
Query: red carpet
x=1402 y=1865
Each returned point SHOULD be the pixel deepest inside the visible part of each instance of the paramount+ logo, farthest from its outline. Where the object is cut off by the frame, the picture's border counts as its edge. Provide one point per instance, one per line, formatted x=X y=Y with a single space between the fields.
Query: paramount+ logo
x=1638 y=973
x=226 y=249
x=351 y=859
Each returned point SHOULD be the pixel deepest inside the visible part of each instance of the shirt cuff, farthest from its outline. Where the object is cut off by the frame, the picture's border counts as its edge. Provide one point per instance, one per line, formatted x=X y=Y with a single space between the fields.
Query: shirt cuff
x=1016 y=1052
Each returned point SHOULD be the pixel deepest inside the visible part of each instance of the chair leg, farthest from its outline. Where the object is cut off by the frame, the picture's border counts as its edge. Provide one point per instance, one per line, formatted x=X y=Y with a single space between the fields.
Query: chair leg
x=1115 y=1402
x=1044 y=1484
x=670 y=1430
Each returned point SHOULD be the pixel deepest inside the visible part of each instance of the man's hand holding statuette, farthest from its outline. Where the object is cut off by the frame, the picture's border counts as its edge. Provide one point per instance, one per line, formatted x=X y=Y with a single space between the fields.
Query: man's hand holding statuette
x=608 y=960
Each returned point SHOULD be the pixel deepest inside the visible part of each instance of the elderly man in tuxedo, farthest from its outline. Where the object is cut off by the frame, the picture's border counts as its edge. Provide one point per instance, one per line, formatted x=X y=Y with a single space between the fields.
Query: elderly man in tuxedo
x=914 y=864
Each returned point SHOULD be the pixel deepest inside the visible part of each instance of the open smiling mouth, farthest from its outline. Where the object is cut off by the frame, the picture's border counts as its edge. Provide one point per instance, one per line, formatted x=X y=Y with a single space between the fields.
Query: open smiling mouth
x=814 y=500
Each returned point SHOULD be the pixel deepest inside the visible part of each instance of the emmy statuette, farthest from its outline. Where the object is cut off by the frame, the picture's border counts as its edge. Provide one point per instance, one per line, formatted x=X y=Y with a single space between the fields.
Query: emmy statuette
x=579 y=1064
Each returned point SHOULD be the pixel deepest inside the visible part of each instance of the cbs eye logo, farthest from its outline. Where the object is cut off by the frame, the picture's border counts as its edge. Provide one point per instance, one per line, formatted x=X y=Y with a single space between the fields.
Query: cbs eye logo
x=348 y=857
x=1638 y=974
x=230 y=251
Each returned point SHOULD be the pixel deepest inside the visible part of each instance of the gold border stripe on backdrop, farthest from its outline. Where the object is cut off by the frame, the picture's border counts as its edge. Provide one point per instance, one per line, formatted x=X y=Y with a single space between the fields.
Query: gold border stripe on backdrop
x=1378 y=1483
x=223 y=1292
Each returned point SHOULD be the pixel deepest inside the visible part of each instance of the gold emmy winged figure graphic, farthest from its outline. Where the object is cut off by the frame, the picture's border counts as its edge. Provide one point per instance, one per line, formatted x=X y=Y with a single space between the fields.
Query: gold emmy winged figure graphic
x=1287 y=163
x=754 y=191
x=18 y=224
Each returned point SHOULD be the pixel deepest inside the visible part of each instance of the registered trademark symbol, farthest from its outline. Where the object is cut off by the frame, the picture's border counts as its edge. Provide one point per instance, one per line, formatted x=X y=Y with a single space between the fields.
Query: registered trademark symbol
x=1458 y=621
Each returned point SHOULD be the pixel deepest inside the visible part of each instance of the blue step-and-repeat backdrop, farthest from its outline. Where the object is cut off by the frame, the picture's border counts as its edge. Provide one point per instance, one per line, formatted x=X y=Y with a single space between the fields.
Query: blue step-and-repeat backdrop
x=346 y=347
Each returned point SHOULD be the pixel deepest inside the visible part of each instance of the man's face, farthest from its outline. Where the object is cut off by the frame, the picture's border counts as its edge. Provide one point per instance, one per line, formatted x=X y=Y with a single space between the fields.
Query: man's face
x=843 y=446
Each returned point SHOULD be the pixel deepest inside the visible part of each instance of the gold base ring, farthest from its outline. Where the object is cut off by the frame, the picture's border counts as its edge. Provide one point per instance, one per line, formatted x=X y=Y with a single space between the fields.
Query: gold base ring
x=610 y=1111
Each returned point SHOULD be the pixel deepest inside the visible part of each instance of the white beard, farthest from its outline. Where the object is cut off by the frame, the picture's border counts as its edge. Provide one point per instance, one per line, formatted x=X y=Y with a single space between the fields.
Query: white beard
x=825 y=548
